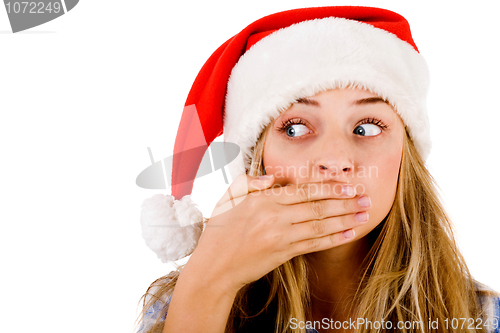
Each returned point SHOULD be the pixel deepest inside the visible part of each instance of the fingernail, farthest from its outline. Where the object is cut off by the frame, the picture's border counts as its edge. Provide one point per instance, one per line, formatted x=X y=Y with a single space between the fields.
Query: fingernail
x=347 y=190
x=365 y=201
x=348 y=233
x=263 y=177
x=361 y=216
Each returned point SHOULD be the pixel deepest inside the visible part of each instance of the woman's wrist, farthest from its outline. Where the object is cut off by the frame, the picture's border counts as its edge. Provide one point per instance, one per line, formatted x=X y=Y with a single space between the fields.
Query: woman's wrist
x=199 y=303
x=208 y=277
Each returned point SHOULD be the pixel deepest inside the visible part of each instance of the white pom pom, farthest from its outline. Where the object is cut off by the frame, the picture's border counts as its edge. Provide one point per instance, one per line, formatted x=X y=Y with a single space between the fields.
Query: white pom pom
x=186 y=211
x=171 y=228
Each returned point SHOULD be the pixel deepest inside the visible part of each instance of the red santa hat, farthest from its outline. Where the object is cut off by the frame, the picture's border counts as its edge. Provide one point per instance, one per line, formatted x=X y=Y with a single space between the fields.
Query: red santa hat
x=258 y=73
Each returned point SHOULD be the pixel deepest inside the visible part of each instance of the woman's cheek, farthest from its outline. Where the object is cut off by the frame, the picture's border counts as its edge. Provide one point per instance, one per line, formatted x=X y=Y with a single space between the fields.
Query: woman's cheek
x=283 y=174
x=382 y=186
x=287 y=167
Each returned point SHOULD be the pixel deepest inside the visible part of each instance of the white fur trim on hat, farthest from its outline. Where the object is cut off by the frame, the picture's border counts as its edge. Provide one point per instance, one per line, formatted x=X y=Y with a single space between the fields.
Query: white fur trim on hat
x=171 y=228
x=317 y=55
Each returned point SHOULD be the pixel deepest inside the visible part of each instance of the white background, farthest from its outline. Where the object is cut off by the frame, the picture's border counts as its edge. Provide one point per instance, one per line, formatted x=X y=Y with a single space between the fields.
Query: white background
x=83 y=96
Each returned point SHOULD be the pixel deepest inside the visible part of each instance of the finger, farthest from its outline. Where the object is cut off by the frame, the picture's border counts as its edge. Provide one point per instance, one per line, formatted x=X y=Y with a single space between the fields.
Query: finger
x=321 y=243
x=320 y=228
x=298 y=193
x=321 y=209
x=239 y=189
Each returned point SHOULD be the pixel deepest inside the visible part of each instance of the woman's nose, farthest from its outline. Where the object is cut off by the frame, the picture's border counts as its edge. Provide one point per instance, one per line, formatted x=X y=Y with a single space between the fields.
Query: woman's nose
x=333 y=159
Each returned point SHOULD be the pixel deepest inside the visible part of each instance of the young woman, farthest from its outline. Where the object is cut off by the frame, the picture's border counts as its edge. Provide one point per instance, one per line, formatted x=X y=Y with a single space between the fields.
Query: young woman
x=333 y=222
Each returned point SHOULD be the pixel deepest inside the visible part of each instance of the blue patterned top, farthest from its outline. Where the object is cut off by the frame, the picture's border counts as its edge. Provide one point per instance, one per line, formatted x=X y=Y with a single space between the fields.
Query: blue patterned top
x=490 y=302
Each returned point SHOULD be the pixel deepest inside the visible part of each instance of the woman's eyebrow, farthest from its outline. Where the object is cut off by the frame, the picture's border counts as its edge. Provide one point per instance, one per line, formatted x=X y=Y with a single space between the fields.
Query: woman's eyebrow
x=363 y=101
x=370 y=100
x=307 y=101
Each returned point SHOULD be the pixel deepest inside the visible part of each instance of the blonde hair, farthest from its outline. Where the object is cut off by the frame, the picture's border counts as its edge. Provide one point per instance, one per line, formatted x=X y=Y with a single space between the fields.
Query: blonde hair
x=414 y=271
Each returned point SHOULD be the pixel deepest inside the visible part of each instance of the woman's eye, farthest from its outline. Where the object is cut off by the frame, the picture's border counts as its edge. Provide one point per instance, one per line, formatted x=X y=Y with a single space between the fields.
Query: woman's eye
x=296 y=130
x=367 y=130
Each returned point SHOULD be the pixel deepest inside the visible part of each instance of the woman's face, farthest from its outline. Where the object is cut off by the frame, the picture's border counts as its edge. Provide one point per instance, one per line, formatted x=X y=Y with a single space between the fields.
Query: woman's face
x=348 y=135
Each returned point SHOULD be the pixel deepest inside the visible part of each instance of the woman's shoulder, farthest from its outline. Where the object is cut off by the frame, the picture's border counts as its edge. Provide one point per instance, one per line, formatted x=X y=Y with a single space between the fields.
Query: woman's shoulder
x=489 y=300
x=151 y=316
x=154 y=312
x=485 y=292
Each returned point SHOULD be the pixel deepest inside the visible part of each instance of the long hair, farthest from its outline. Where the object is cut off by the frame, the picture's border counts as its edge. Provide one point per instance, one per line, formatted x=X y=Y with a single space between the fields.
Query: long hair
x=413 y=275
